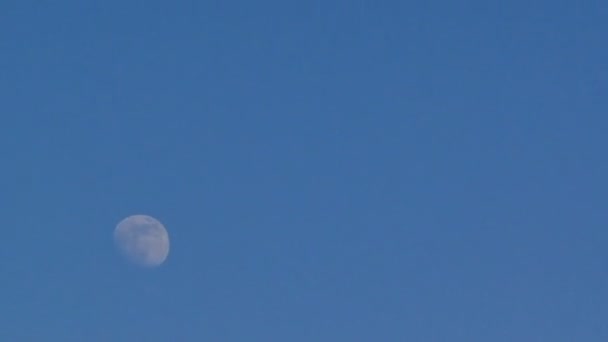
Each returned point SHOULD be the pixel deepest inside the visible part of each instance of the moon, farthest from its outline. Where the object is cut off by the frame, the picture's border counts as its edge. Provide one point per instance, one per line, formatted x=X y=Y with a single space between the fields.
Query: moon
x=143 y=240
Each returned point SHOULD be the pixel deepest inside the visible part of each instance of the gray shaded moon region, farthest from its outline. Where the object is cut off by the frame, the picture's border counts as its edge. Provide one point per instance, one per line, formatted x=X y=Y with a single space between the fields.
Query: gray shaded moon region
x=143 y=240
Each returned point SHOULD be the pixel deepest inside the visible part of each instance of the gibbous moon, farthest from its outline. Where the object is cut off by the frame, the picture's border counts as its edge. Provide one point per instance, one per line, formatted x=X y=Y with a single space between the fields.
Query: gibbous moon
x=143 y=240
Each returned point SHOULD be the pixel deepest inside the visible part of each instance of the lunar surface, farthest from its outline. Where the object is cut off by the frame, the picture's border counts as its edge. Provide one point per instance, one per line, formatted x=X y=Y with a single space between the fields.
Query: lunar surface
x=143 y=240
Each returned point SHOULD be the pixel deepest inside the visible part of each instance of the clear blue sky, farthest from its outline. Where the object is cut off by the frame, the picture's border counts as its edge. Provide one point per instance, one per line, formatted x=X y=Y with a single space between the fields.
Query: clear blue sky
x=327 y=170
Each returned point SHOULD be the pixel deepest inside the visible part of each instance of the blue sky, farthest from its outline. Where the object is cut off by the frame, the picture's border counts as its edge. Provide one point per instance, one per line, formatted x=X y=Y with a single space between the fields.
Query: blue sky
x=327 y=171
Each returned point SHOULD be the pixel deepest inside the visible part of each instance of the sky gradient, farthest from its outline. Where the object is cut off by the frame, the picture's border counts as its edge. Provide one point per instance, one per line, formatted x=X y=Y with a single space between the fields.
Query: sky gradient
x=327 y=171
